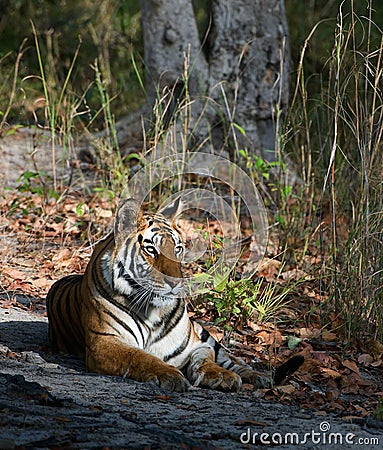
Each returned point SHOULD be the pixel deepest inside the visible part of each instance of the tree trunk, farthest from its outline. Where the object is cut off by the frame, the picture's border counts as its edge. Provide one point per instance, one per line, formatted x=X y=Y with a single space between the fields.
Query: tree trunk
x=171 y=35
x=248 y=51
x=241 y=68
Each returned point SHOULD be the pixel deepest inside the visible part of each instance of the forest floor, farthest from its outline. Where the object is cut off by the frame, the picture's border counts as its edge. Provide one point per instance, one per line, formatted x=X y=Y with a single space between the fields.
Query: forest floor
x=50 y=401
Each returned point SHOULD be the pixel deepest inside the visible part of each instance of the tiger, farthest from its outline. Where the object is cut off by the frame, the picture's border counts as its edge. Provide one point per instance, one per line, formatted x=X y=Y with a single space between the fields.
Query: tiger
x=127 y=314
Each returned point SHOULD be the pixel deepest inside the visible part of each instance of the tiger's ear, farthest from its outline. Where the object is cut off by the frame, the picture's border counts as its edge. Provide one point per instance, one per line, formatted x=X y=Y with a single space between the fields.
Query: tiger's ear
x=128 y=218
x=171 y=210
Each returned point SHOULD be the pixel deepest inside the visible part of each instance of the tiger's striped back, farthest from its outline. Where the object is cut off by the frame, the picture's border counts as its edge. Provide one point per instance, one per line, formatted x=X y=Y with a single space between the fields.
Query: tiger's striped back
x=66 y=332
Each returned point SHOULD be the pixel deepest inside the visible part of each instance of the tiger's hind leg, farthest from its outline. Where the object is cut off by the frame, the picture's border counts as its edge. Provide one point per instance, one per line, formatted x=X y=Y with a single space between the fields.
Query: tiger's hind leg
x=258 y=379
x=212 y=366
x=247 y=373
x=203 y=371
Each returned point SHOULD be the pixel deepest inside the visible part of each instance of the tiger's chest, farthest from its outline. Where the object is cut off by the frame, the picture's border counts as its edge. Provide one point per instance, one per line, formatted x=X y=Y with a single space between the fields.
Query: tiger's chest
x=167 y=334
x=173 y=339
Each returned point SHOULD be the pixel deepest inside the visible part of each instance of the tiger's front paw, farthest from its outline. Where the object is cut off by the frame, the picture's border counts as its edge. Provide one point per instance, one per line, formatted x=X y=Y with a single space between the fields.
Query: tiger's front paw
x=212 y=376
x=169 y=378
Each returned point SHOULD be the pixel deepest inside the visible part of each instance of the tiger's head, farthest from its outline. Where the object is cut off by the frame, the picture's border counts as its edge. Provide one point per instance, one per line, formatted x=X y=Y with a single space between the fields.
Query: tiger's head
x=147 y=254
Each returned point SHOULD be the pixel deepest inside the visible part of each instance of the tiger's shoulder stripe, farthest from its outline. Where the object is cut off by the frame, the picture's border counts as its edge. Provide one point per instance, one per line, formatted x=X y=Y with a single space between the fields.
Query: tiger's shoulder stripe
x=205 y=336
x=123 y=324
x=168 y=322
x=97 y=269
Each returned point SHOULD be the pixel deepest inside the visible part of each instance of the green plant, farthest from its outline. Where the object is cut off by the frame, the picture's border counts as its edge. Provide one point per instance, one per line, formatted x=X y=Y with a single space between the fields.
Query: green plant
x=32 y=182
x=13 y=91
x=114 y=169
x=67 y=115
x=55 y=96
x=378 y=413
x=291 y=205
x=258 y=168
x=231 y=299
x=237 y=301
x=112 y=31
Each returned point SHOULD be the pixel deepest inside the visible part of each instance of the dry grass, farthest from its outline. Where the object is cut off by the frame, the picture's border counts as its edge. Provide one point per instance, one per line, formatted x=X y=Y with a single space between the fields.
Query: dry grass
x=340 y=133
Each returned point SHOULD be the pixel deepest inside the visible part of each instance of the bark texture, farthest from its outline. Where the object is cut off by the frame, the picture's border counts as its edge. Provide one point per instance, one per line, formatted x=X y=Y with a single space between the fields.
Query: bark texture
x=242 y=72
x=171 y=35
x=248 y=51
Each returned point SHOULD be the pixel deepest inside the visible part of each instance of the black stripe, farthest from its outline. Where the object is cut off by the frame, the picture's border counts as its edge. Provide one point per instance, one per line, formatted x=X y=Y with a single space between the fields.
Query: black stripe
x=63 y=306
x=102 y=287
x=123 y=274
x=75 y=316
x=287 y=368
x=52 y=314
x=112 y=325
x=97 y=274
x=217 y=348
x=108 y=296
x=99 y=333
x=60 y=308
x=122 y=323
x=67 y=303
x=229 y=366
x=204 y=335
x=180 y=349
x=166 y=317
x=128 y=310
x=169 y=321
x=136 y=320
x=140 y=324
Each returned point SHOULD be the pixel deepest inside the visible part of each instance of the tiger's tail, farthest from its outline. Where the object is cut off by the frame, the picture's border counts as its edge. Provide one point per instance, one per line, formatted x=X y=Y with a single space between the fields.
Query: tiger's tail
x=287 y=368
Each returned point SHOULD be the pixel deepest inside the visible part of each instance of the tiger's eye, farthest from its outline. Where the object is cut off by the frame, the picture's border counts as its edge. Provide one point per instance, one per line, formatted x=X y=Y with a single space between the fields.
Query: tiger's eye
x=151 y=250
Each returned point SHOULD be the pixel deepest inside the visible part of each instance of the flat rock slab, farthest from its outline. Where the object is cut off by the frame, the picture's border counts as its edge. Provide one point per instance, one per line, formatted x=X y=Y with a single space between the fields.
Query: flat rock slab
x=51 y=402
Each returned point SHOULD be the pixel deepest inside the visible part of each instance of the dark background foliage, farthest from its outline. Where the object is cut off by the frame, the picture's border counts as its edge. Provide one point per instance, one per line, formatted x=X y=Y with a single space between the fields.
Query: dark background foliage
x=110 y=31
